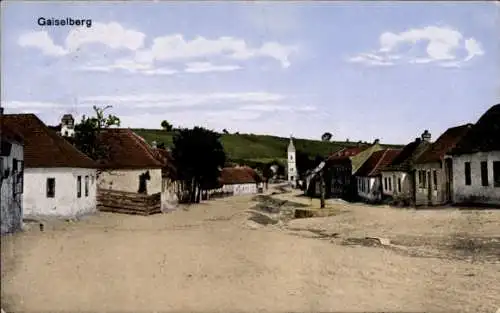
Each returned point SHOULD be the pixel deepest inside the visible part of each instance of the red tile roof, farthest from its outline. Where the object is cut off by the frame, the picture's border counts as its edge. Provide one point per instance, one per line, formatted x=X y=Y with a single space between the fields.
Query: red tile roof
x=346 y=153
x=166 y=158
x=42 y=146
x=443 y=144
x=9 y=134
x=127 y=150
x=377 y=161
x=483 y=136
x=408 y=155
x=238 y=175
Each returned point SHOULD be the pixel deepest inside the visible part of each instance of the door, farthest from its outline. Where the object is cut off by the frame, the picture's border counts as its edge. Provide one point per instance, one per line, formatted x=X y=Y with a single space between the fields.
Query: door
x=429 y=187
x=449 y=178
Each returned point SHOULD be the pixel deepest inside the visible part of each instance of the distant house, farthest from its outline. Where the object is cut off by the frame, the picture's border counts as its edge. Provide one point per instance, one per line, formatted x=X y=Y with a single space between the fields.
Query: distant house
x=398 y=181
x=59 y=180
x=476 y=162
x=240 y=180
x=66 y=128
x=341 y=167
x=11 y=179
x=369 y=175
x=434 y=176
x=131 y=164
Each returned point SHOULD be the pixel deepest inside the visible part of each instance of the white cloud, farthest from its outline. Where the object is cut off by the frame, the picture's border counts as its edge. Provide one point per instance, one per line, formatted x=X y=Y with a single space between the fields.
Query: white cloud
x=175 y=47
x=442 y=46
x=205 y=67
x=112 y=35
x=169 y=48
x=185 y=100
x=23 y=105
x=42 y=41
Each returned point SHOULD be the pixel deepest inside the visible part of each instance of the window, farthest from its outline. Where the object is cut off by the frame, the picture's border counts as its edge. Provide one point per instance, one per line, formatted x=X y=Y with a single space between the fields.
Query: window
x=385 y=183
x=86 y=186
x=484 y=174
x=14 y=166
x=467 y=174
x=435 y=180
x=496 y=173
x=420 y=179
x=424 y=179
x=51 y=187
x=390 y=183
x=79 y=186
x=399 y=184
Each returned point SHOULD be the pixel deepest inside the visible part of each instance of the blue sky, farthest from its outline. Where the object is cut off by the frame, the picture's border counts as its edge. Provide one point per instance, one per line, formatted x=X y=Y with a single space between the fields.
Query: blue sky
x=360 y=70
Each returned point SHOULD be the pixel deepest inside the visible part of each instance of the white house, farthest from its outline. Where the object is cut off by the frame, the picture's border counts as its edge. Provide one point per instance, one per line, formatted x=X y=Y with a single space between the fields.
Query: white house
x=398 y=181
x=59 y=180
x=239 y=180
x=292 y=164
x=369 y=177
x=11 y=179
x=476 y=162
x=132 y=165
x=433 y=176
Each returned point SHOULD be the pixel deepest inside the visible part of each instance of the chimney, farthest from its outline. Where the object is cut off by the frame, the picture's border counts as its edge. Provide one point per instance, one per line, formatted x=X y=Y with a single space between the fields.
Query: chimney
x=153 y=144
x=376 y=141
x=426 y=136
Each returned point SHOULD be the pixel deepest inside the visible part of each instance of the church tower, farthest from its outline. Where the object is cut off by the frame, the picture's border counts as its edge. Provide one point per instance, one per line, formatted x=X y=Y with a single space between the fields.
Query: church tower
x=292 y=165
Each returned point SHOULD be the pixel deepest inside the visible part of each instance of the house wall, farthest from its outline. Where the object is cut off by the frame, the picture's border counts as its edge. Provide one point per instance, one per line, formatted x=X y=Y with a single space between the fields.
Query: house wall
x=407 y=190
x=372 y=191
x=128 y=180
x=475 y=193
x=65 y=201
x=169 y=194
x=240 y=189
x=11 y=204
x=437 y=192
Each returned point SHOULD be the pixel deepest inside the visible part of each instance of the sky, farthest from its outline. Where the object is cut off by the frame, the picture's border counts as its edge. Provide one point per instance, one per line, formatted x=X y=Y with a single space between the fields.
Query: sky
x=359 y=70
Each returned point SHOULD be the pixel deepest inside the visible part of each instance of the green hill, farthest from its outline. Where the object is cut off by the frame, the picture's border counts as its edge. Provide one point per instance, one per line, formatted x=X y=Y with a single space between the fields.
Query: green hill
x=250 y=148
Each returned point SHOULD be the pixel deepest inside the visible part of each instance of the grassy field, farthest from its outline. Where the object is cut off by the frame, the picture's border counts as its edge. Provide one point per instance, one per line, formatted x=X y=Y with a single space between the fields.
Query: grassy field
x=256 y=148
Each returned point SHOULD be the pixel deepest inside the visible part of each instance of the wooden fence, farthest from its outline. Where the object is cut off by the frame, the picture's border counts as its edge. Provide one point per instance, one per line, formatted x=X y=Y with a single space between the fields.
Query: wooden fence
x=128 y=202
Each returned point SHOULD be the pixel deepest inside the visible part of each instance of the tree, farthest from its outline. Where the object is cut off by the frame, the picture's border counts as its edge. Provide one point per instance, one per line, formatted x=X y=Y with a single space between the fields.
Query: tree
x=166 y=126
x=198 y=156
x=87 y=133
x=326 y=136
x=224 y=131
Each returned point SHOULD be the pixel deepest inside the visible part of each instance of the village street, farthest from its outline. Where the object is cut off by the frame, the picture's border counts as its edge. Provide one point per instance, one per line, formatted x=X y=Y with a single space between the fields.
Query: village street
x=211 y=257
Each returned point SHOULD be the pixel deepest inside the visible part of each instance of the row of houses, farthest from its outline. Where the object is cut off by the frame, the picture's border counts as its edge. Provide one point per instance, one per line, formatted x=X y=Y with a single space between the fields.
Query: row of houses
x=43 y=174
x=461 y=167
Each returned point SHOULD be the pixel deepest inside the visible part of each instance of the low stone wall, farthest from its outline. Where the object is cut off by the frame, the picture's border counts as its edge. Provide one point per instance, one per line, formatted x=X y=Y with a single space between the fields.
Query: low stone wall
x=128 y=202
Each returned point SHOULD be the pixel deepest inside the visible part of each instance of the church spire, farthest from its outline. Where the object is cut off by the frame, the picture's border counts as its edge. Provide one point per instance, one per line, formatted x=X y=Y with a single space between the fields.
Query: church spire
x=291 y=147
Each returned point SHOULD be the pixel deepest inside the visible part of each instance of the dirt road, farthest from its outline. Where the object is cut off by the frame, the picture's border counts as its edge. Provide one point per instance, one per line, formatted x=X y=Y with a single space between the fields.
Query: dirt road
x=212 y=258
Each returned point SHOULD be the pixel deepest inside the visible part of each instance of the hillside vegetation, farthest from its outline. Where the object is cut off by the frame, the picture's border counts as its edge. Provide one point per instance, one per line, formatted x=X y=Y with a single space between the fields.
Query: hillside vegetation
x=256 y=148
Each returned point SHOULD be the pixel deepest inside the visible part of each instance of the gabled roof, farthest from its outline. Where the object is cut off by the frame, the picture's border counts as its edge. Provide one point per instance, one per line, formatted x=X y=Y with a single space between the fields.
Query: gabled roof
x=408 y=155
x=127 y=150
x=443 y=144
x=377 y=161
x=238 y=175
x=483 y=136
x=43 y=147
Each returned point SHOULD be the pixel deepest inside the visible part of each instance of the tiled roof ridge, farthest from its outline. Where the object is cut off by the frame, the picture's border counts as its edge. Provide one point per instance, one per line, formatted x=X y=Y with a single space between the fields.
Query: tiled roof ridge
x=144 y=145
x=379 y=160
